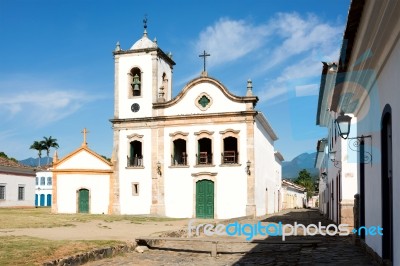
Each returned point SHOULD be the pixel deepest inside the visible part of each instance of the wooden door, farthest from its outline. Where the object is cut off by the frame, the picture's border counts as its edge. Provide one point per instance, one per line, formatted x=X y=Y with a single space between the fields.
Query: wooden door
x=83 y=201
x=205 y=199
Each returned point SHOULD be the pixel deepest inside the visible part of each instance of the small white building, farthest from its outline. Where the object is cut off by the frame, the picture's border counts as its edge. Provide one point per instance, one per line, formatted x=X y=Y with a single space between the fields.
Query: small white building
x=205 y=153
x=43 y=187
x=81 y=182
x=294 y=196
x=17 y=184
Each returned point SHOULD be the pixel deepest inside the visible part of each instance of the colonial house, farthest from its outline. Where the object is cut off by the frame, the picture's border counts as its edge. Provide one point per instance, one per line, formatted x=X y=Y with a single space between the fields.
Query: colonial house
x=364 y=103
x=43 y=187
x=17 y=184
x=205 y=153
x=294 y=196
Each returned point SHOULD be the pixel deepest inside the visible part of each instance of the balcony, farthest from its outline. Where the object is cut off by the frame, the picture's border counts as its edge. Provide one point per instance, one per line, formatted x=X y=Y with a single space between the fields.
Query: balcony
x=179 y=159
x=204 y=158
x=136 y=161
x=230 y=157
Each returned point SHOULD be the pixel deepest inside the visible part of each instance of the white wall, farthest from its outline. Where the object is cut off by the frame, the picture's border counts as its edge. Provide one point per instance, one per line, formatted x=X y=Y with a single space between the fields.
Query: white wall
x=97 y=184
x=267 y=184
x=230 y=187
x=12 y=182
x=388 y=92
x=129 y=203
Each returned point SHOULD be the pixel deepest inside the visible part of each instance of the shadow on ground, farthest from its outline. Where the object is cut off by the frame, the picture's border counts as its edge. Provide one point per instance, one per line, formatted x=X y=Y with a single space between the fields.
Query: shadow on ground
x=305 y=250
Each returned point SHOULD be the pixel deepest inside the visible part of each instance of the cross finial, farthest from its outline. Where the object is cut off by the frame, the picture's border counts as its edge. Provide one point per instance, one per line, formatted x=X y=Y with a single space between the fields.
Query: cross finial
x=204 y=54
x=84 y=136
x=145 y=23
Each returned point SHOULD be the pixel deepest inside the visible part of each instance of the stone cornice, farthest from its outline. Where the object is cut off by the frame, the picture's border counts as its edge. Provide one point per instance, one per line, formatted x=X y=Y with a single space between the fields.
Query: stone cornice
x=183 y=117
x=160 y=53
x=219 y=85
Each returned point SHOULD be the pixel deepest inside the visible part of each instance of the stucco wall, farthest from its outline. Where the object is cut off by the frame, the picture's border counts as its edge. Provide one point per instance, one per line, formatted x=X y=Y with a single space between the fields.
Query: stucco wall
x=12 y=182
x=97 y=184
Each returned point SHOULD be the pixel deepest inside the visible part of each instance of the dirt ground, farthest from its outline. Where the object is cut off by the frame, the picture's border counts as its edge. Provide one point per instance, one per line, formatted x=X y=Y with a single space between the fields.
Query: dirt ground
x=99 y=230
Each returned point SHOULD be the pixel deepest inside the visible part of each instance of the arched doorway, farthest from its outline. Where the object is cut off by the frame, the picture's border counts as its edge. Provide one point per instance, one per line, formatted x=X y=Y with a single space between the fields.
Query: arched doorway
x=41 y=200
x=48 y=200
x=83 y=201
x=205 y=199
x=387 y=184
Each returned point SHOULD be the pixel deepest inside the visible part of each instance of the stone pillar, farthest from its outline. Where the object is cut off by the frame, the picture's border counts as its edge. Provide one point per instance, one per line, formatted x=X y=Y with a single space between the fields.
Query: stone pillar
x=157 y=155
x=114 y=184
x=250 y=207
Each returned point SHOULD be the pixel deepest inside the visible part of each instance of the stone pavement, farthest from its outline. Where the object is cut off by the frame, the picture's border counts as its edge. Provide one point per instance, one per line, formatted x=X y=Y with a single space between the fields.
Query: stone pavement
x=331 y=250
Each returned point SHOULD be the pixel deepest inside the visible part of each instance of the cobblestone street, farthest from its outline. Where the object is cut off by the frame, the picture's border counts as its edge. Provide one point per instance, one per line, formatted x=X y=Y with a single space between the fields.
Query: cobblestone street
x=330 y=250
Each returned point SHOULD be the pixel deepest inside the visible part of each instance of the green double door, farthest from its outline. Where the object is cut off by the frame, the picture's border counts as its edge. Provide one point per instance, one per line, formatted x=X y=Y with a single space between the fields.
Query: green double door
x=205 y=199
x=83 y=201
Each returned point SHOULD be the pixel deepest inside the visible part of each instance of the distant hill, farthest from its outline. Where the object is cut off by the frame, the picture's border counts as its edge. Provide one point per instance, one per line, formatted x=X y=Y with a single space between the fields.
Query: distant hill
x=306 y=161
x=35 y=161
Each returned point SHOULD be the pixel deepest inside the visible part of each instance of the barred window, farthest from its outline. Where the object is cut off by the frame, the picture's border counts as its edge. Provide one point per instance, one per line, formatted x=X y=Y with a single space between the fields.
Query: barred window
x=21 y=192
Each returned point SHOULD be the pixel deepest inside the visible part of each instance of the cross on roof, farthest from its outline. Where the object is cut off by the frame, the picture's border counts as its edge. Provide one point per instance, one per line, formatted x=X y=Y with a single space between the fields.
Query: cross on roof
x=204 y=58
x=84 y=136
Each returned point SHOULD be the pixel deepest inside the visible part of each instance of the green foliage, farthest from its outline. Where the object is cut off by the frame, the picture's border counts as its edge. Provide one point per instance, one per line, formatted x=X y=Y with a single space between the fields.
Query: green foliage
x=3 y=155
x=306 y=180
x=44 y=145
x=49 y=143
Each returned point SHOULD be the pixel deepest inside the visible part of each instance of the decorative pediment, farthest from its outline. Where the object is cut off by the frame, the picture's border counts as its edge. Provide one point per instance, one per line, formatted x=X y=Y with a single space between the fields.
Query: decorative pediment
x=134 y=136
x=229 y=130
x=204 y=132
x=178 y=133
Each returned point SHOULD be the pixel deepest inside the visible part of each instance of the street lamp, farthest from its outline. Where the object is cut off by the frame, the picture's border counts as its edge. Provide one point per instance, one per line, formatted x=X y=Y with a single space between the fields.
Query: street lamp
x=343 y=124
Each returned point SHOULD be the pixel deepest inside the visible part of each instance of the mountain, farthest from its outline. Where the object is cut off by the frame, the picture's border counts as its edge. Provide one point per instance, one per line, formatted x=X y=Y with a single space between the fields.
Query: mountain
x=306 y=161
x=34 y=161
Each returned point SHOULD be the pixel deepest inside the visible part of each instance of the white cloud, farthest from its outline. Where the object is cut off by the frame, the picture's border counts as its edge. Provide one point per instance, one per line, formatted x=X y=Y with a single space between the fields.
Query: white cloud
x=289 y=45
x=41 y=104
x=228 y=40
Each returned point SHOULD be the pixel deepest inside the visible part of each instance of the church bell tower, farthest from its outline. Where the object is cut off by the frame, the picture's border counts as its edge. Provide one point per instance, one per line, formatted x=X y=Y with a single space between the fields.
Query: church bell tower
x=143 y=76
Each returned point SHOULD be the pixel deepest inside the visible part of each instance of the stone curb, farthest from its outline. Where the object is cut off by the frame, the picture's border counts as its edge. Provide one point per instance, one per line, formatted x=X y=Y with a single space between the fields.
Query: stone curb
x=95 y=254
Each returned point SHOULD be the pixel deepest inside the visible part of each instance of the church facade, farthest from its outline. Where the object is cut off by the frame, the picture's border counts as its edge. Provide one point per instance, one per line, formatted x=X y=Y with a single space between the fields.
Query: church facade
x=205 y=153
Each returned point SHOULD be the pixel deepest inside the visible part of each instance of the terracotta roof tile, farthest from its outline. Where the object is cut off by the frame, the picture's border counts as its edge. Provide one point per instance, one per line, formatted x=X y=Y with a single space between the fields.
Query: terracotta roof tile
x=11 y=163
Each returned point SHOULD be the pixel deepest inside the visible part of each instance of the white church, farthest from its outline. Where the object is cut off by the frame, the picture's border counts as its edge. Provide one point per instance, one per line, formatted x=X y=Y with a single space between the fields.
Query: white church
x=205 y=153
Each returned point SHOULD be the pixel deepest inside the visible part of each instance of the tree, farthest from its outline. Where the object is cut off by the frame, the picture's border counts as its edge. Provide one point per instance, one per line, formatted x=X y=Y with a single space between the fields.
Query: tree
x=3 y=155
x=49 y=143
x=305 y=179
x=39 y=146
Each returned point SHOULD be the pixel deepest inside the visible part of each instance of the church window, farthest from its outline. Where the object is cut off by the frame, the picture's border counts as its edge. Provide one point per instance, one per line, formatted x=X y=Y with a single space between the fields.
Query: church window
x=136 y=157
x=203 y=101
x=49 y=181
x=204 y=151
x=135 y=189
x=180 y=156
x=136 y=81
x=37 y=181
x=230 y=153
x=42 y=181
x=21 y=192
x=2 y=192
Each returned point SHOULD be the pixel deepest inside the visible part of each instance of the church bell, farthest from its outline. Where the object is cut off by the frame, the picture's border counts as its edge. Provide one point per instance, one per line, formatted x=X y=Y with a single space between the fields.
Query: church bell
x=136 y=83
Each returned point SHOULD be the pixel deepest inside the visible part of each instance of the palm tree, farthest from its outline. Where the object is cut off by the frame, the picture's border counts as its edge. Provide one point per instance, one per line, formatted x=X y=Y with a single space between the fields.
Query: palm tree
x=38 y=145
x=49 y=143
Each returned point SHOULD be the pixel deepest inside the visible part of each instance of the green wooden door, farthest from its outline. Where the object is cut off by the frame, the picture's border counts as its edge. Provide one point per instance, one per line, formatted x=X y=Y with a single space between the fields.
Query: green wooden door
x=83 y=201
x=205 y=199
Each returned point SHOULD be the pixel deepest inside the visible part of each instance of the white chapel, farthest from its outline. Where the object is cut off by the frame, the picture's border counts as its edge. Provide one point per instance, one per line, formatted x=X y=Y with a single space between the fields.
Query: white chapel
x=205 y=153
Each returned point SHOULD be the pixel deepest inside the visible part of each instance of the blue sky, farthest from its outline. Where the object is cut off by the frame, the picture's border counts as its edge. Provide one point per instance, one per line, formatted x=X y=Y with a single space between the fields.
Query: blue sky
x=57 y=68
